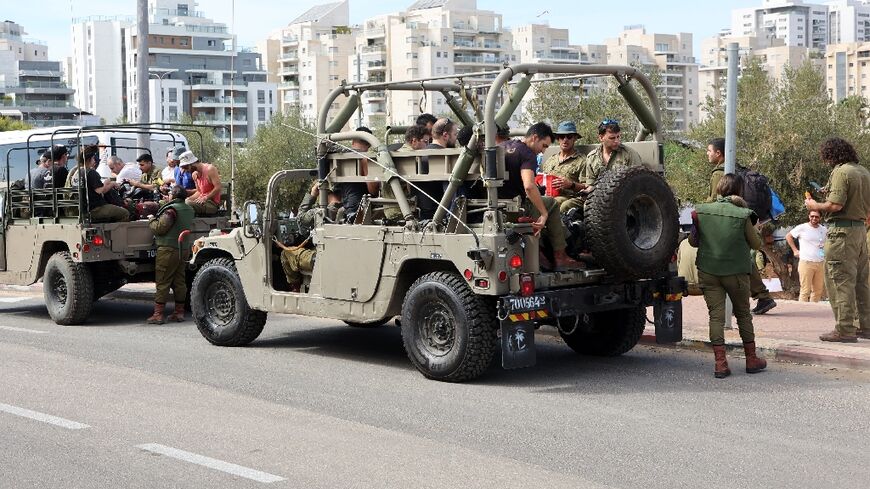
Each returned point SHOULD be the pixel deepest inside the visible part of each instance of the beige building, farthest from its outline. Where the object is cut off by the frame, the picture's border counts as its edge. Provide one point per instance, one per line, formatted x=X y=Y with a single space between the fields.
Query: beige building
x=847 y=70
x=308 y=58
x=774 y=54
x=672 y=55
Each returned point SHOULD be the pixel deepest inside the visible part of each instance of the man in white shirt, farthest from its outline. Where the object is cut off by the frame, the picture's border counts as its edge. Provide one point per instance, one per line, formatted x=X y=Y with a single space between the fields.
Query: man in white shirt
x=130 y=171
x=811 y=268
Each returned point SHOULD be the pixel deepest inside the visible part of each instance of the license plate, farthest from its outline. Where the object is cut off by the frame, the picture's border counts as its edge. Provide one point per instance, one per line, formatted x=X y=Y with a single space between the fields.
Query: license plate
x=523 y=304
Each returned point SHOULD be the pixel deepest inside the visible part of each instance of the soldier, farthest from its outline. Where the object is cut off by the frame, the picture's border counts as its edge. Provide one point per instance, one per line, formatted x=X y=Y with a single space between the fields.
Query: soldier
x=759 y=292
x=847 y=270
x=723 y=232
x=171 y=219
x=610 y=153
x=150 y=181
x=567 y=166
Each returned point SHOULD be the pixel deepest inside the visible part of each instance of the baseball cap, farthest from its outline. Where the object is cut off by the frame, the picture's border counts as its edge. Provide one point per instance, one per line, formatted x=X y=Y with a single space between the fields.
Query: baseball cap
x=145 y=157
x=187 y=158
x=177 y=152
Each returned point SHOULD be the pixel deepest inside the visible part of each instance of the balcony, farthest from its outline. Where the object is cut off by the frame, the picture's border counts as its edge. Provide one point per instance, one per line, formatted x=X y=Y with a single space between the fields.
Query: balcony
x=36 y=103
x=220 y=101
x=376 y=95
x=376 y=66
x=290 y=39
x=374 y=32
x=377 y=48
x=218 y=119
x=288 y=85
x=476 y=60
x=288 y=58
x=288 y=70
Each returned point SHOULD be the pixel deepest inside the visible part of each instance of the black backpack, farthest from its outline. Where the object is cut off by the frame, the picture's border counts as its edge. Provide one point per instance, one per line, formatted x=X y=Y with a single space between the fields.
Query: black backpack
x=756 y=192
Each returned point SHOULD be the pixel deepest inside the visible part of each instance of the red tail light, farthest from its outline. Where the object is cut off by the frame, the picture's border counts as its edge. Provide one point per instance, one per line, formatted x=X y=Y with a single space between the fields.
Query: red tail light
x=98 y=240
x=516 y=261
x=527 y=284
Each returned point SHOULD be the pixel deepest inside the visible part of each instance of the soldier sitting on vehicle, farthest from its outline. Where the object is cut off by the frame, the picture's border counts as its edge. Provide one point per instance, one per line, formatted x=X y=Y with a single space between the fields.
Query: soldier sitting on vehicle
x=610 y=153
x=150 y=181
x=416 y=137
x=94 y=198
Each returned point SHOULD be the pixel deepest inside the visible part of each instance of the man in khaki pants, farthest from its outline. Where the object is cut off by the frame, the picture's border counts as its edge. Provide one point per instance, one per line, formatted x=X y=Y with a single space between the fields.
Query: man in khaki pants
x=811 y=268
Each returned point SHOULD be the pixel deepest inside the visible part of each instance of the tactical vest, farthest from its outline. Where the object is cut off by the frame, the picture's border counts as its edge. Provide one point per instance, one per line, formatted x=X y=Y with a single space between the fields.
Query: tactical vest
x=183 y=220
x=723 y=249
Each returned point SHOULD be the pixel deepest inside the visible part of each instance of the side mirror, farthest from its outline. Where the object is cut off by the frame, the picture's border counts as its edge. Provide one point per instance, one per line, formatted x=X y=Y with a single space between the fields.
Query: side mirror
x=251 y=220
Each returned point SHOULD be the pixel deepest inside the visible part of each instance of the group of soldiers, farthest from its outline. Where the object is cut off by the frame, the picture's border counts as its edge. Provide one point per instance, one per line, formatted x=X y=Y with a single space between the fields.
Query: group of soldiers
x=725 y=229
x=571 y=176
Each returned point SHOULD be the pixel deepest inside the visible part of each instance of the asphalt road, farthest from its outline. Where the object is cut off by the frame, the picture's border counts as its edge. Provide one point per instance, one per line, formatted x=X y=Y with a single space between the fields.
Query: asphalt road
x=317 y=404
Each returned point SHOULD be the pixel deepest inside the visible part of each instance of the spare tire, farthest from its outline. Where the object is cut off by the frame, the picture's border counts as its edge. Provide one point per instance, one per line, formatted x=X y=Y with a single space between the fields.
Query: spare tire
x=632 y=223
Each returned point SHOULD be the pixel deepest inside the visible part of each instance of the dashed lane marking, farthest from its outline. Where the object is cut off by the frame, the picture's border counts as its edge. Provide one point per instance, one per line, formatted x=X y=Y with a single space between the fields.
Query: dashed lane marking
x=16 y=299
x=42 y=417
x=211 y=463
x=22 y=330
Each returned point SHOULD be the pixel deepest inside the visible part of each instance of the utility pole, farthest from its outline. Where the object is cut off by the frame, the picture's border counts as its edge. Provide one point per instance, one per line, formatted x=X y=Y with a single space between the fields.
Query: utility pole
x=731 y=136
x=142 y=94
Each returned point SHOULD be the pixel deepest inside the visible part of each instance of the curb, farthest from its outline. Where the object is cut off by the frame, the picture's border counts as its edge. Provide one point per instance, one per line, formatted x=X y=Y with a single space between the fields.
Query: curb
x=787 y=354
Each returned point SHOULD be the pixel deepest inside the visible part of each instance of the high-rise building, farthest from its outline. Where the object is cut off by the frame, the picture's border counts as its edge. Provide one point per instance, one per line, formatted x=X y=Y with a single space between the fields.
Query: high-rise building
x=848 y=69
x=848 y=21
x=32 y=88
x=671 y=55
x=97 y=65
x=795 y=22
x=308 y=58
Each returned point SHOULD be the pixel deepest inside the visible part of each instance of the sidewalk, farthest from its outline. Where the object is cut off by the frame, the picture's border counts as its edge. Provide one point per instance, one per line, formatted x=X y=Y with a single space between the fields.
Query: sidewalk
x=789 y=332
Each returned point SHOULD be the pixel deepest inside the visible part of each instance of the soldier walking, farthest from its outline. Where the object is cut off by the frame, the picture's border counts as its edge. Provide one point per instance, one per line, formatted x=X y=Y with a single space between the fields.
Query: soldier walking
x=723 y=232
x=847 y=270
x=173 y=217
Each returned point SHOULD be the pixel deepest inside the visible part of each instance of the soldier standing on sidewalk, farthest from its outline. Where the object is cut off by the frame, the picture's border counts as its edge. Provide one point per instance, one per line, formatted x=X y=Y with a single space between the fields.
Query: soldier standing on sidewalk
x=847 y=270
x=759 y=292
x=724 y=233
x=173 y=217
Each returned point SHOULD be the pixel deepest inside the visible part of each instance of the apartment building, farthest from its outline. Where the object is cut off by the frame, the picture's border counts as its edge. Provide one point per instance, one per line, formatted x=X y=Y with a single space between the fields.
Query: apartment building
x=309 y=57
x=96 y=65
x=847 y=70
x=795 y=22
x=848 y=21
x=32 y=88
x=671 y=55
x=430 y=38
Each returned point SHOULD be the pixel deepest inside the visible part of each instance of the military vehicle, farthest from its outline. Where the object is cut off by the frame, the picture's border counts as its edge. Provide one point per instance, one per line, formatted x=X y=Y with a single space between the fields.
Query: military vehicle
x=467 y=283
x=45 y=235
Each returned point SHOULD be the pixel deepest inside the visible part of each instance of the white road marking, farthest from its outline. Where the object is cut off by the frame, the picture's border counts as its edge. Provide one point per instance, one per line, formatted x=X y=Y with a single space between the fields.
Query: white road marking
x=15 y=299
x=23 y=330
x=211 y=463
x=45 y=418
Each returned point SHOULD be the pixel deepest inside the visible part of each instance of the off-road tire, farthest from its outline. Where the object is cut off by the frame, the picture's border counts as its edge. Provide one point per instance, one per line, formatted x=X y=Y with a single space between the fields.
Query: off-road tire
x=369 y=324
x=68 y=289
x=220 y=309
x=608 y=333
x=449 y=333
x=632 y=223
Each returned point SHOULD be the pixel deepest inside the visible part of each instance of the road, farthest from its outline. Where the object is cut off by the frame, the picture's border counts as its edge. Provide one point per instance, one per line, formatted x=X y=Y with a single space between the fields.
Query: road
x=317 y=404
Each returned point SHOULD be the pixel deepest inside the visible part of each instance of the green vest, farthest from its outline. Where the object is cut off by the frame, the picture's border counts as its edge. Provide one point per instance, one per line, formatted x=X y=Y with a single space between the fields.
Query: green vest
x=723 y=249
x=183 y=220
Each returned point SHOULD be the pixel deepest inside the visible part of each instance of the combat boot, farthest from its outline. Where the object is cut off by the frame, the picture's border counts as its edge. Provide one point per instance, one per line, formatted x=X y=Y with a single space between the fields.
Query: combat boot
x=721 y=369
x=177 y=315
x=157 y=317
x=562 y=262
x=754 y=363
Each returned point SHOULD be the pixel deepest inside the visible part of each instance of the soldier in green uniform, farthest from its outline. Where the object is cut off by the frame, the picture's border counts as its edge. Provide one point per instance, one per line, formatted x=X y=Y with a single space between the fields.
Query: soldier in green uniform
x=847 y=270
x=610 y=153
x=151 y=179
x=759 y=292
x=171 y=219
x=567 y=167
x=724 y=233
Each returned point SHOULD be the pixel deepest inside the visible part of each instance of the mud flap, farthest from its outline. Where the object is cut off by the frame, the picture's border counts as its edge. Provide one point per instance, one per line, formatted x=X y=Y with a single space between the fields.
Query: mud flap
x=668 y=321
x=517 y=344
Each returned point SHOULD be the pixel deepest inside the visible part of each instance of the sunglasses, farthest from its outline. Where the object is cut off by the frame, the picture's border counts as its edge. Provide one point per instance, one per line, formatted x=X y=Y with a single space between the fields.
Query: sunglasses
x=609 y=122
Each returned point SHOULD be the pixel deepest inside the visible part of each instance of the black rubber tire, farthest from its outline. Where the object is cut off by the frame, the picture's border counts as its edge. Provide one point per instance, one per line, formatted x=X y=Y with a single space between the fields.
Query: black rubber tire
x=632 y=223
x=369 y=324
x=220 y=308
x=609 y=333
x=449 y=333
x=68 y=289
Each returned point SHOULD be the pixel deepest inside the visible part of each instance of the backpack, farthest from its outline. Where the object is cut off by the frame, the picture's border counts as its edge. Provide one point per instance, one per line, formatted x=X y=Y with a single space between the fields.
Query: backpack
x=756 y=192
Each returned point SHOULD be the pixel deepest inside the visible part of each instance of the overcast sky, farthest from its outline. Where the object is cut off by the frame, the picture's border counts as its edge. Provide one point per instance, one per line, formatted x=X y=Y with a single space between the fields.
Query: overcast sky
x=589 y=22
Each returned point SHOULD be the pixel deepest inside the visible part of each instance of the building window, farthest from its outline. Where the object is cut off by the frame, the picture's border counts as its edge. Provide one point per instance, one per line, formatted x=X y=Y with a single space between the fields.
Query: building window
x=173 y=94
x=261 y=114
x=212 y=43
x=261 y=96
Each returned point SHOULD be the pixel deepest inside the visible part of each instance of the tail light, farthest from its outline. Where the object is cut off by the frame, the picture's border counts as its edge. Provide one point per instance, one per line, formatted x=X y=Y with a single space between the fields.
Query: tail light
x=97 y=240
x=527 y=284
x=516 y=262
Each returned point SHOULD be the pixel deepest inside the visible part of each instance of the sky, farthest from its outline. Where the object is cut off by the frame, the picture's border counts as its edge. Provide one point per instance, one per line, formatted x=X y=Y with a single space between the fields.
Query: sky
x=589 y=22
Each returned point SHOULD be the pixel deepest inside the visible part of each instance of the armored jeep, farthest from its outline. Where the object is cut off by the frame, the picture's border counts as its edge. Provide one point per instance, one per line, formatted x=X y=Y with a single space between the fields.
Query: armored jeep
x=466 y=284
x=48 y=234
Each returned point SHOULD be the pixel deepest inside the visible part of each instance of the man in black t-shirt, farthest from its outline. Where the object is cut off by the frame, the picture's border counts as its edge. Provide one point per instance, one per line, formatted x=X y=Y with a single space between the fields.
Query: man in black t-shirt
x=100 y=210
x=520 y=161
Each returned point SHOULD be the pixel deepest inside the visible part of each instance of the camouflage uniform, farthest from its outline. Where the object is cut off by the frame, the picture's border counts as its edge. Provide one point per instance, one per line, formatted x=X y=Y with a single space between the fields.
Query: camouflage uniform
x=847 y=270
x=294 y=261
x=623 y=156
x=570 y=168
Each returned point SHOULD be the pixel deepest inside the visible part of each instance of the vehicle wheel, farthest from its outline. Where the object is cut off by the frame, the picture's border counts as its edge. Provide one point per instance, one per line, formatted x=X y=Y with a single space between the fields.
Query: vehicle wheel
x=369 y=324
x=449 y=333
x=609 y=333
x=632 y=223
x=68 y=289
x=220 y=309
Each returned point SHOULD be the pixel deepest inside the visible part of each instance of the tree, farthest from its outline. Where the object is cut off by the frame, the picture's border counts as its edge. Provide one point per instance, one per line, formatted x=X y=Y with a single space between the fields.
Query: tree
x=7 y=124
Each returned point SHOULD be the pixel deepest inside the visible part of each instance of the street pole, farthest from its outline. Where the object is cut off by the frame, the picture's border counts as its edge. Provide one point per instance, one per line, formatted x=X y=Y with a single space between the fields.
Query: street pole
x=731 y=137
x=142 y=69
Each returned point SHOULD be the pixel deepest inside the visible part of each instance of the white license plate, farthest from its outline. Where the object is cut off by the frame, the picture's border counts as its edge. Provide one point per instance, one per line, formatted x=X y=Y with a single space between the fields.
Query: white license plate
x=530 y=303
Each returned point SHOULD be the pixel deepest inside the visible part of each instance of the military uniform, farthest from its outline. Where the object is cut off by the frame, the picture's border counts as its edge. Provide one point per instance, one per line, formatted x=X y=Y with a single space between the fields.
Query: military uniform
x=715 y=176
x=570 y=168
x=623 y=156
x=294 y=261
x=153 y=177
x=171 y=219
x=847 y=270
